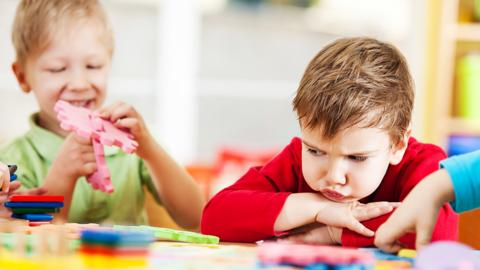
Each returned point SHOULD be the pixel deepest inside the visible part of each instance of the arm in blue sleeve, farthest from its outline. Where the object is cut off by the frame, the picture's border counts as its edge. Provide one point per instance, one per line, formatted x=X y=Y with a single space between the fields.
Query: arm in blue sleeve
x=464 y=170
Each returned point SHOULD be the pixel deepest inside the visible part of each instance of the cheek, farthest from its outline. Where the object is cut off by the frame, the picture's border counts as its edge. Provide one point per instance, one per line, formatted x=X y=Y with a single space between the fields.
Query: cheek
x=311 y=168
x=369 y=177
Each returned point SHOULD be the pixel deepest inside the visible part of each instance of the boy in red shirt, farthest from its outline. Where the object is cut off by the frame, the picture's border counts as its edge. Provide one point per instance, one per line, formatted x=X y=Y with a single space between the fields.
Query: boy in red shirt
x=355 y=155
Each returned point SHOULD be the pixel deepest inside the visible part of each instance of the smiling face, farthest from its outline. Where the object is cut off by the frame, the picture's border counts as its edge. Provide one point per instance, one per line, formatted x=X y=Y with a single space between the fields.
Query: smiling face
x=74 y=67
x=350 y=166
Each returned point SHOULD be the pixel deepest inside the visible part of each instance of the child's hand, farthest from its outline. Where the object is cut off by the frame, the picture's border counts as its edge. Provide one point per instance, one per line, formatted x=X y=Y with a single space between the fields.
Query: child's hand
x=349 y=215
x=75 y=158
x=14 y=186
x=124 y=116
x=418 y=213
x=316 y=234
x=4 y=177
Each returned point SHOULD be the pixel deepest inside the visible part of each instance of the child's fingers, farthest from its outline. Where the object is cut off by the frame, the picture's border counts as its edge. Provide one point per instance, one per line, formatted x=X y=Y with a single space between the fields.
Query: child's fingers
x=123 y=110
x=128 y=123
x=356 y=226
x=4 y=177
x=371 y=210
x=15 y=185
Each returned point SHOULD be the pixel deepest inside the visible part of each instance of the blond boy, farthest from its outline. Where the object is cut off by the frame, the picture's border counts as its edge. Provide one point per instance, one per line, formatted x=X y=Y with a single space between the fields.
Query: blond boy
x=63 y=52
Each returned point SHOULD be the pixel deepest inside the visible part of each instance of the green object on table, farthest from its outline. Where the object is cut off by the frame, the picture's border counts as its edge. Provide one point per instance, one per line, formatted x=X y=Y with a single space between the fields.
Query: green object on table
x=174 y=235
x=20 y=210
x=468 y=86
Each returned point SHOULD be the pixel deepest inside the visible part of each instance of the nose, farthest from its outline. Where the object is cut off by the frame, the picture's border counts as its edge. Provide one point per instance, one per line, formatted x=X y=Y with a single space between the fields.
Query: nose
x=335 y=173
x=78 y=80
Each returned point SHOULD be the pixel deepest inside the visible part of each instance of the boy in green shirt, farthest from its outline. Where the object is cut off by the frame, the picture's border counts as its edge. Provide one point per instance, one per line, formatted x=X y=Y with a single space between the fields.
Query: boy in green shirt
x=63 y=52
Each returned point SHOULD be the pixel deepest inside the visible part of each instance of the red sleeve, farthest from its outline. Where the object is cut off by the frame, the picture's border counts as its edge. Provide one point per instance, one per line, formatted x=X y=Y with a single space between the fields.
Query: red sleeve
x=246 y=211
x=399 y=180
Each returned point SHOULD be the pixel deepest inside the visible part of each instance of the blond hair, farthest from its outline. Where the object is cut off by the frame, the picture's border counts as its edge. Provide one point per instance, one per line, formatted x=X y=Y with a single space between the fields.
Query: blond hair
x=356 y=81
x=37 y=22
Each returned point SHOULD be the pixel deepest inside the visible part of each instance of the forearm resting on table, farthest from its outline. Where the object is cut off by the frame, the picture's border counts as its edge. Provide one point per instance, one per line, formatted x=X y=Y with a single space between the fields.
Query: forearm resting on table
x=299 y=209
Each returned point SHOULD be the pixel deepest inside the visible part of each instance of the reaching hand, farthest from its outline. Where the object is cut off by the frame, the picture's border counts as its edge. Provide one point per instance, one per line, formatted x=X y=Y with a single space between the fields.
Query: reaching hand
x=349 y=215
x=418 y=213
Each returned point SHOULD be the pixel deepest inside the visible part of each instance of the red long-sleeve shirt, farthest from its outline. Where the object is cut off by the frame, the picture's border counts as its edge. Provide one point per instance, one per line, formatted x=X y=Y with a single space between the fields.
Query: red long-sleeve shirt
x=247 y=210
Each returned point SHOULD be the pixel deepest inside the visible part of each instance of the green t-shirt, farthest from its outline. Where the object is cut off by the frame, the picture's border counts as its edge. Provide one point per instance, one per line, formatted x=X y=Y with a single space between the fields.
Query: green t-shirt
x=34 y=153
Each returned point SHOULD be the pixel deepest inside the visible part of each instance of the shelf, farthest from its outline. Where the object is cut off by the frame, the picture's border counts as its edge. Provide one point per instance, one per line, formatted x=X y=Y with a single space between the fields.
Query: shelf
x=463 y=126
x=468 y=32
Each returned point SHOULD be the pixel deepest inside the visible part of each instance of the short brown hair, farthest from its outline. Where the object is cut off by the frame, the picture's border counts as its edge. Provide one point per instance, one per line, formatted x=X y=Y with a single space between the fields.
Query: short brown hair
x=38 y=21
x=356 y=81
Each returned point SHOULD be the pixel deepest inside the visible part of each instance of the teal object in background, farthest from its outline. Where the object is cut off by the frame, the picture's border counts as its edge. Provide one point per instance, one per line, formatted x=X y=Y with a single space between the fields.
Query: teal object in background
x=468 y=86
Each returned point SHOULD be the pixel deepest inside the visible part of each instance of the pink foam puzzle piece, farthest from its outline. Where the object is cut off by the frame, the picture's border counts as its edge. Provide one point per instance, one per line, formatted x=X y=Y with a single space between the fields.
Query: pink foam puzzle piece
x=101 y=178
x=303 y=255
x=102 y=132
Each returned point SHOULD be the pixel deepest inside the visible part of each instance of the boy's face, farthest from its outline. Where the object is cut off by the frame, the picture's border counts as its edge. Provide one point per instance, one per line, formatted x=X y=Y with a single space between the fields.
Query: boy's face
x=350 y=166
x=74 y=67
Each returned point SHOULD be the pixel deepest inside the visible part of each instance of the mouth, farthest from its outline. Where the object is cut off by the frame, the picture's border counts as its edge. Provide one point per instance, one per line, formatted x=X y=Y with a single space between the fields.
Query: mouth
x=87 y=103
x=332 y=195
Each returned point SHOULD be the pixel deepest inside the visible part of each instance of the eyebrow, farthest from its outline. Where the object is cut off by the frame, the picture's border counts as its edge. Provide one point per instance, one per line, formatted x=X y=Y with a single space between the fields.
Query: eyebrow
x=361 y=153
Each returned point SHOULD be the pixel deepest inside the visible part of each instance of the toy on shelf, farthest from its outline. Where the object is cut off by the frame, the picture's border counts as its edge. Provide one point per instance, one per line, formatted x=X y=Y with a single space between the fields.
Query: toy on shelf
x=163 y=234
x=314 y=257
x=88 y=124
x=36 y=209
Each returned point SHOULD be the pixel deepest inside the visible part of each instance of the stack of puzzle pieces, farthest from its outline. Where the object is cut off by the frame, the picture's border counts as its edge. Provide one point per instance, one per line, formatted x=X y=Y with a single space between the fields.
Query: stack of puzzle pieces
x=36 y=209
x=107 y=248
x=165 y=234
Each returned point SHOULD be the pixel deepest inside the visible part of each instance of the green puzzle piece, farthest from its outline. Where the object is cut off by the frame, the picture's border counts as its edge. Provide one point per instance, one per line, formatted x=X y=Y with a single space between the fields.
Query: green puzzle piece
x=174 y=235
x=19 y=210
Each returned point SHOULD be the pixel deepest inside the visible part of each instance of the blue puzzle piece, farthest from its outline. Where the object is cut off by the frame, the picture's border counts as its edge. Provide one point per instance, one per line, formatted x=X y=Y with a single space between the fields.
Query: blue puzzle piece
x=34 y=204
x=13 y=177
x=33 y=217
x=117 y=238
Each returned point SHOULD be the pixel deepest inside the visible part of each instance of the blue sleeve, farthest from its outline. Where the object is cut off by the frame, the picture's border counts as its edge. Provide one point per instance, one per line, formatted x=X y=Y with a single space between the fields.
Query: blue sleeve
x=464 y=170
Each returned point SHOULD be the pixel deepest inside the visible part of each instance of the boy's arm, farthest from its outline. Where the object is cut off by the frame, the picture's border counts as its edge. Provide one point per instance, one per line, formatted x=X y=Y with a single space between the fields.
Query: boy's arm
x=246 y=211
x=422 y=165
x=179 y=192
x=464 y=171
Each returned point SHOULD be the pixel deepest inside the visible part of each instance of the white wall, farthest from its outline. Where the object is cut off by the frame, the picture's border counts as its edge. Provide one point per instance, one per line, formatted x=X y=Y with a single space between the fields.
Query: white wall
x=241 y=66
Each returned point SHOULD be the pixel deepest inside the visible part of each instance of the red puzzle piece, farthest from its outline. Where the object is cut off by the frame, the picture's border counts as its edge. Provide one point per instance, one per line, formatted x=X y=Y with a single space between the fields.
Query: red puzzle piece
x=102 y=132
x=35 y=198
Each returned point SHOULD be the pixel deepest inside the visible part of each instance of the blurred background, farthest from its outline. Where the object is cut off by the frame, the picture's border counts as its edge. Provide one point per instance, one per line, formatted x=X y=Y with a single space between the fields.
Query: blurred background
x=214 y=79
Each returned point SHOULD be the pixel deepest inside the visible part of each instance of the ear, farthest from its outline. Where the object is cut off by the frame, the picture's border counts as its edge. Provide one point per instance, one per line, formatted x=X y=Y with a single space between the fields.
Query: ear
x=398 y=150
x=19 y=71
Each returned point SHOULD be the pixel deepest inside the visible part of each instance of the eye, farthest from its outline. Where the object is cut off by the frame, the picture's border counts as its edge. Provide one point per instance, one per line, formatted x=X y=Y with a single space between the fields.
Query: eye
x=358 y=158
x=56 y=70
x=314 y=152
x=94 y=66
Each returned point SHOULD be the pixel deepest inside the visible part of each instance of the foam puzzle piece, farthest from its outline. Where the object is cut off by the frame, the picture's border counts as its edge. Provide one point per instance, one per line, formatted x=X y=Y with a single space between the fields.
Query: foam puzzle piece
x=384 y=256
x=445 y=255
x=407 y=253
x=102 y=132
x=34 y=210
x=35 y=198
x=34 y=204
x=173 y=235
x=33 y=217
x=304 y=255
x=116 y=238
